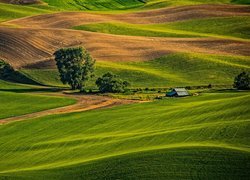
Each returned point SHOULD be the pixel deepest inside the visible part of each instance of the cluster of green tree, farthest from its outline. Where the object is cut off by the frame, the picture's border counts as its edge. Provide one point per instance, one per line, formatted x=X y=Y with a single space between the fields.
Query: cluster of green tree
x=111 y=83
x=76 y=67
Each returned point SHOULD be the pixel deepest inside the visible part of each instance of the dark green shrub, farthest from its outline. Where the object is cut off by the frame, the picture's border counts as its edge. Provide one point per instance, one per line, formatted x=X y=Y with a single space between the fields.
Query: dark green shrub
x=110 y=83
x=242 y=81
x=5 y=70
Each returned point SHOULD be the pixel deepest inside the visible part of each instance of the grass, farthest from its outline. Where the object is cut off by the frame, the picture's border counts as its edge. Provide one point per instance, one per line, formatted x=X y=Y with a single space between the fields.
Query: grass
x=15 y=104
x=226 y=27
x=152 y=4
x=49 y=77
x=200 y=137
x=196 y=137
x=180 y=69
x=10 y=11
x=229 y=26
x=95 y=5
x=133 y=30
x=107 y=5
x=5 y=85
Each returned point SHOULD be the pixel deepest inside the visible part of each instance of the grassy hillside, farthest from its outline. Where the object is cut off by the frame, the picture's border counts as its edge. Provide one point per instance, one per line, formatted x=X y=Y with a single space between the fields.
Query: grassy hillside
x=5 y=86
x=229 y=27
x=10 y=11
x=205 y=136
x=163 y=3
x=196 y=137
x=13 y=104
x=134 y=30
x=49 y=77
x=94 y=5
x=131 y=4
x=178 y=69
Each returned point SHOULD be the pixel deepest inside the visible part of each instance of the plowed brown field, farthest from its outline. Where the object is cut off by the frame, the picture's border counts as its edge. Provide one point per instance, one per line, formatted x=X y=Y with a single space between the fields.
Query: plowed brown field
x=33 y=43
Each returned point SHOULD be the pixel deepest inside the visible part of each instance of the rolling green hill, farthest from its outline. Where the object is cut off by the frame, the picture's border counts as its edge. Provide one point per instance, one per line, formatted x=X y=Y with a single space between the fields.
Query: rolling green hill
x=179 y=69
x=163 y=3
x=131 y=4
x=204 y=136
x=196 y=137
x=15 y=102
x=95 y=5
x=10 y=11
x=229 y=27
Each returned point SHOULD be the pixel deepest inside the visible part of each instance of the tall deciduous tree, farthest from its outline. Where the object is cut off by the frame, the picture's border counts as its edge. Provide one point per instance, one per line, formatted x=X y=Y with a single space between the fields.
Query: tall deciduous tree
x=75 y=66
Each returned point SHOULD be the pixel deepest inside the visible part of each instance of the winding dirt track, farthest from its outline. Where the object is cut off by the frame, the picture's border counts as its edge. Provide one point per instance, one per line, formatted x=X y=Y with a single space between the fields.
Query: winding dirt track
x=33 y=43
x=84 y=103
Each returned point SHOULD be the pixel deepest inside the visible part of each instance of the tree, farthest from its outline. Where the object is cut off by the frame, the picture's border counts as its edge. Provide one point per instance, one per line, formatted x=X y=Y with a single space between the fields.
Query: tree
x=75 y=66
x=242 y=81
x=5 y=70
x=110 y=83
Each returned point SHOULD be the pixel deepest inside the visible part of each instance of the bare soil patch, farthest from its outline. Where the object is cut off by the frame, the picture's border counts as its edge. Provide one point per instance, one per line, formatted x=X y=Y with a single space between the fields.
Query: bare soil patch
x=31 y=47
x=185 y=13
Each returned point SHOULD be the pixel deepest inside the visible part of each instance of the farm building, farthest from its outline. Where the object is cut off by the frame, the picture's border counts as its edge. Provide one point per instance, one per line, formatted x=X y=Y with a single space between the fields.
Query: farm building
x=178 y=92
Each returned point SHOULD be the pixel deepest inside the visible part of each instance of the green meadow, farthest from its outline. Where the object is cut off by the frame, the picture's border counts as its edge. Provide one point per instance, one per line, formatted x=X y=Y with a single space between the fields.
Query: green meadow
x=10 y=11
x=15 y=104
x=226 y=27
x=202 y=136
x=196 y=137
x=16 y=100
x=180 y=69
x=107 y=5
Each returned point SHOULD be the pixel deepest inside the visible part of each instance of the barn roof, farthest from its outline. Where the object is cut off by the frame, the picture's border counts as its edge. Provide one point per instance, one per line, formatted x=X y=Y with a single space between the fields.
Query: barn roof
x=181 y=91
